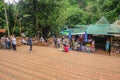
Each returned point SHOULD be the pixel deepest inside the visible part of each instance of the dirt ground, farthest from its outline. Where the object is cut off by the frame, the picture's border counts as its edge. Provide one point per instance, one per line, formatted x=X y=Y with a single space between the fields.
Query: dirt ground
x=48 y=63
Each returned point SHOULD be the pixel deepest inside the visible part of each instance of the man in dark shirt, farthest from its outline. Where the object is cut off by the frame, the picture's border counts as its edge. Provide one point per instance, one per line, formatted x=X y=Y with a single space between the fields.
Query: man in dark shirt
x=30 y=43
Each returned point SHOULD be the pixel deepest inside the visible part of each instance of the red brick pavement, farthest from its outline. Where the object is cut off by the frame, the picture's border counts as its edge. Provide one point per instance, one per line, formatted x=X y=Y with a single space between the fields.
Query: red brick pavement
x=51 y=64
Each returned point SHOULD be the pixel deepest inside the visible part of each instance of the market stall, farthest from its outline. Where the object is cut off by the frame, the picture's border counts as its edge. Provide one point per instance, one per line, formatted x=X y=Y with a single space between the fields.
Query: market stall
x=115 y=40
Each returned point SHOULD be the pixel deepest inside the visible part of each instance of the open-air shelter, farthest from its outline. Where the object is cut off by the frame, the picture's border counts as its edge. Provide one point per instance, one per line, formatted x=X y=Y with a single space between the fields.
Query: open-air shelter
x=115 y=32
x=115 y=28
x=100 y=28
x=100 y=32
x=79 y=29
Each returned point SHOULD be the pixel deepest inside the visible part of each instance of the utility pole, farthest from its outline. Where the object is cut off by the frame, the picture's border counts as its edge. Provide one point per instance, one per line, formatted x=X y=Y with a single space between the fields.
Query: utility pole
x=7 y=20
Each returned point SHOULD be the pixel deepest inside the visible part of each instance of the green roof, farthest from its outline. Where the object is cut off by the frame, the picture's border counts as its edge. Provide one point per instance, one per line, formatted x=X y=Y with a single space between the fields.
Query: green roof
x=114 y=31
x=102 y=20
x=101 y=29
x=74 y=31
x=115 y=28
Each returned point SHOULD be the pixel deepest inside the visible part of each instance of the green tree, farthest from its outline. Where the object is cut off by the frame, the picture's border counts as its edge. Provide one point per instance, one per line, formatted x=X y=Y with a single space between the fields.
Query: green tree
x=2 y=16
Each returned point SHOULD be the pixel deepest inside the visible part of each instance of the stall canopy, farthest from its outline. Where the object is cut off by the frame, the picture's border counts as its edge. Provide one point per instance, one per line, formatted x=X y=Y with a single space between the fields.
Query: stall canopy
x=115 y=28
x=100 y=28
x=2 y=30
x=75 y=31
x=65 y=32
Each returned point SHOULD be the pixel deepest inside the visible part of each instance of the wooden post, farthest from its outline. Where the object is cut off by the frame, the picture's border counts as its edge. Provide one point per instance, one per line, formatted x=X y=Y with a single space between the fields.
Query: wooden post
x=111 y=40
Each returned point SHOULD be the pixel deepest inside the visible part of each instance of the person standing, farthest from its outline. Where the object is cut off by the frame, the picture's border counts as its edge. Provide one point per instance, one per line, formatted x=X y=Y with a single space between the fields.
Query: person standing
x=58 y=42
x=93 y=45
x=3 y=42
x=30 y=43
x=55 y=41
x=14 y=42
x=8 y=44
x=108 y=46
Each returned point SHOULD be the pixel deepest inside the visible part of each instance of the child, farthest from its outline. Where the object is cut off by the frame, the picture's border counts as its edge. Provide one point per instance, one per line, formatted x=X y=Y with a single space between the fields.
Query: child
x=66 y=48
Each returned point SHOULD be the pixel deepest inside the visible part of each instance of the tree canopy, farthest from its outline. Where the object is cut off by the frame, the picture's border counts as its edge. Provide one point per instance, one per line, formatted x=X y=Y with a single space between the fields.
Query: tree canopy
x=48 y=17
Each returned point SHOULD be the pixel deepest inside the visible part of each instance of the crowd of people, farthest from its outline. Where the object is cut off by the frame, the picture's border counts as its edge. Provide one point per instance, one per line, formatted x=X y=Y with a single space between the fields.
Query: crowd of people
x=76 y=43
x=10 y=42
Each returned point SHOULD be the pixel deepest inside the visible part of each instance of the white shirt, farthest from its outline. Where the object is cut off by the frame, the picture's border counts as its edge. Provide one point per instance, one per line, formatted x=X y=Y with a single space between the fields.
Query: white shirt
x=42 y=39
x=23 y=41
x=14 y=41
x=7 y=39
x=23 y=35
x=93 y=42
x=58 y=40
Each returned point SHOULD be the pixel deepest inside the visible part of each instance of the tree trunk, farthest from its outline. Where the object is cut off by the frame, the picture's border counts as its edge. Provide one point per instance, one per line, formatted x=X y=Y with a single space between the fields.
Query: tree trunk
x=35 y=17
x=7 y=23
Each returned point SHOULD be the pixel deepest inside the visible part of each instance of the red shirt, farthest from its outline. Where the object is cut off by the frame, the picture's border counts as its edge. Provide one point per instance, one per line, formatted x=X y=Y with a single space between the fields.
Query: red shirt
x=66 y=49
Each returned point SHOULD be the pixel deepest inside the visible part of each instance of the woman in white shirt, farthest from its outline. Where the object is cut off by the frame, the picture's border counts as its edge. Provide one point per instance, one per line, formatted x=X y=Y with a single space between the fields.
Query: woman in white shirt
x=14 y=43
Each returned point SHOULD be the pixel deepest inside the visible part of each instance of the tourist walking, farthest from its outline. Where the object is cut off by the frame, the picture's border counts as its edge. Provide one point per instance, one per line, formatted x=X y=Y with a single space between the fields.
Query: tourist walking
x=30 y=43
